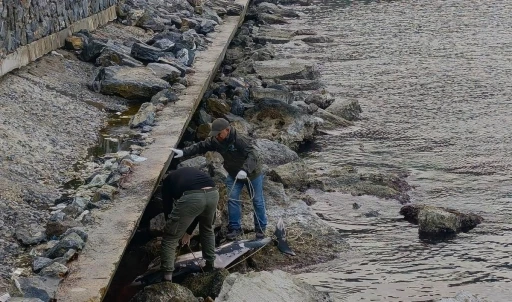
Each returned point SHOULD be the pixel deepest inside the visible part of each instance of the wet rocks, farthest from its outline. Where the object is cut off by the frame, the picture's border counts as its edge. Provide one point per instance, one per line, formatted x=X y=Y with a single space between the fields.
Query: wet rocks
x=139 y=83
x=438 y=222
x=144 y=117
x=347 y=109
x=163 y=292
x=268 y=286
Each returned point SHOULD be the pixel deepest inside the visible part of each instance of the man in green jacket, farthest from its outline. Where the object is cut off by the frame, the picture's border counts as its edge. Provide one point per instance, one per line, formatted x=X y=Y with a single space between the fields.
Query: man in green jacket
x=242 y=163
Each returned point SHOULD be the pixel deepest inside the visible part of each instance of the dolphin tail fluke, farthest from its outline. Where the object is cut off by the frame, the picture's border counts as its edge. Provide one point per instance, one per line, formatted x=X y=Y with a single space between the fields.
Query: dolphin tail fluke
x=280 y=234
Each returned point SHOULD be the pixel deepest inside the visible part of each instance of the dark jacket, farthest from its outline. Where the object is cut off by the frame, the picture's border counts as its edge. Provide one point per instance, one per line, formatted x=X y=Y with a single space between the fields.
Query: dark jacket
x=237 y=151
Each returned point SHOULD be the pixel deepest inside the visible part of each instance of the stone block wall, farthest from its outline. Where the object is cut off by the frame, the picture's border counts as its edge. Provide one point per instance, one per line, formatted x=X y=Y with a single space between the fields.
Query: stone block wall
x=26 y=21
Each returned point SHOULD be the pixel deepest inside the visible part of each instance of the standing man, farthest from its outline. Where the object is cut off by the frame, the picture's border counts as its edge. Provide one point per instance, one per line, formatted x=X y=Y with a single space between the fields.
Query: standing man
x=190 y=197
x=241 y=161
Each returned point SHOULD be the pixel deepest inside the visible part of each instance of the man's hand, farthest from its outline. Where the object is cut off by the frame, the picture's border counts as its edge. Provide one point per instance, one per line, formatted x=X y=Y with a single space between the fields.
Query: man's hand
x=241 y=175
x=177 y=152
x=185 y=240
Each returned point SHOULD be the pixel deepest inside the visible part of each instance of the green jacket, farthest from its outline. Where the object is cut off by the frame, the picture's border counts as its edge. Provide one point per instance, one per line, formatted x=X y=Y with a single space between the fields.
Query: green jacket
x=237 y=151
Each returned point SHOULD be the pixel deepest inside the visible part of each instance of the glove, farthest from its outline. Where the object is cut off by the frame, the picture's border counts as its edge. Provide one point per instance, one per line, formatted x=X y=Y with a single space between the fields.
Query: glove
x=241 y=175
x=177 y=152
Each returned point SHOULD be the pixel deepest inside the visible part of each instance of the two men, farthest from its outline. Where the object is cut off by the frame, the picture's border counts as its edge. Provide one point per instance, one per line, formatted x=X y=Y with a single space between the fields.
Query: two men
x=189 y=197
x=242 y=163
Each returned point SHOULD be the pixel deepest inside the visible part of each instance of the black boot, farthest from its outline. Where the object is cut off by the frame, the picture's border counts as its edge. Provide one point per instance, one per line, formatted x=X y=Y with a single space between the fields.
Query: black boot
x=208 y=267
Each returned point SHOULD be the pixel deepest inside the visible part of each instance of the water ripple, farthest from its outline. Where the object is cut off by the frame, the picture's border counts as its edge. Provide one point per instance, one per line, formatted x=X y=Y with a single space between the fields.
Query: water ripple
x=433 y=79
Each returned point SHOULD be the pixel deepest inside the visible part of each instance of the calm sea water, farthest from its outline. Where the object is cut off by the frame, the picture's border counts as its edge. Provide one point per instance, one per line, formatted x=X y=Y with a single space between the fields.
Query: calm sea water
x=434 y=79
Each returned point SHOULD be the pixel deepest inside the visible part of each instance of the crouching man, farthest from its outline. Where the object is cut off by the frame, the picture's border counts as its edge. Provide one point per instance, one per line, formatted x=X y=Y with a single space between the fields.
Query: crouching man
x=189 y=197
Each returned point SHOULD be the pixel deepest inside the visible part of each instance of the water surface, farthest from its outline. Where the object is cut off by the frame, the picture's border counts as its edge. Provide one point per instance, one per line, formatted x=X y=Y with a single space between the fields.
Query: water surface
x=433 y=79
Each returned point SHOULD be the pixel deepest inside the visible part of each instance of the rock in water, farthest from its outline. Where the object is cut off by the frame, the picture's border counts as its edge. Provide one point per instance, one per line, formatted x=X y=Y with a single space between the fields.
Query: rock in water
x=438 y=222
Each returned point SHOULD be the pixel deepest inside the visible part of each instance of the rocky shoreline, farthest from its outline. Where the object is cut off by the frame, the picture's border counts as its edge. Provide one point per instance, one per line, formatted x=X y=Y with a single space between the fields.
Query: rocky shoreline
x=279 y=102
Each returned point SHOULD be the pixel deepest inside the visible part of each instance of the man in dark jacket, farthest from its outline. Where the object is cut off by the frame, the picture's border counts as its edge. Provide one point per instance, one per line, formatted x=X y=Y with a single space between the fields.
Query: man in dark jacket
x=242 y=163
x=189 y=197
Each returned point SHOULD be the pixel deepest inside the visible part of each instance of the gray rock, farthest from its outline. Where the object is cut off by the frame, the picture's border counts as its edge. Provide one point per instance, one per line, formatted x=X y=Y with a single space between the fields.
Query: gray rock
x=347 y=109
x=331 y=121
x=273 y=153
x=322 y=99
x=144 y=117
x=185 y=57
x=30 y=235
x=291 y=175
x=318 y=39
x=260 y=94
x=268 y=286
x=204 y=117
x=98 y=180
x=146 y=53
x=286 y=69
x=39 y=287
x=70 y=241
x=303 y=85
x=157 y=224
x=112 y=57
x=272 y=19
x=107 y=192
x=267 y=34
x=165 y=96
x=40 y=262
x=165 y=72
x=463 y=296
x=55 y=270
x=92 y=50
x=207 y=26
x=438 y=222
x=78 y=205
x=138 y=83
x=165 y=45
x=275 y=120
x=77 y=230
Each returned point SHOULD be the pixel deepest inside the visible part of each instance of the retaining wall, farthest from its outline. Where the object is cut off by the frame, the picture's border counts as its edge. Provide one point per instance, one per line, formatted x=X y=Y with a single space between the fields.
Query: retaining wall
x=30 y=29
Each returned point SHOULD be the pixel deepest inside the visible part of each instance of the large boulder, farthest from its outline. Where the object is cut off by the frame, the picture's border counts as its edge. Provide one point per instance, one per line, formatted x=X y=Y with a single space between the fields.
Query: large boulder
x=269 y=286
x=347 y=109
x=272 y=35
x=291 y=175
x=273 y=153
x=139 y=83
x=275 y=120
x=260 y=94
x=438 y=222
x=286 y=69
x=164 y=292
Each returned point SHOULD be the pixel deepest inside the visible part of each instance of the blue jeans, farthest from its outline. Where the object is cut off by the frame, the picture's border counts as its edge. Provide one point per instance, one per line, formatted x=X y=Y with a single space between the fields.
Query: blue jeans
x=235 y=206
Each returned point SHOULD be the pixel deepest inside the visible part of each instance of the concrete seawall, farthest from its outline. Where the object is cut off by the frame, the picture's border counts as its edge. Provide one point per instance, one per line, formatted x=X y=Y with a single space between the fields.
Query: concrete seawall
x=92 y=273
x=30 y=52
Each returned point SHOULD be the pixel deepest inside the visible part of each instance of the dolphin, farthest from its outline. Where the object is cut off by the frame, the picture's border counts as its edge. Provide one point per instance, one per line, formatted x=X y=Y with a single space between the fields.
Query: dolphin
x=186 y=264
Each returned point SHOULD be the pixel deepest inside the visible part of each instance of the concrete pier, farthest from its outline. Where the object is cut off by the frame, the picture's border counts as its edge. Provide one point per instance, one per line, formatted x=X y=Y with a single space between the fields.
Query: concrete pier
x=91 y=274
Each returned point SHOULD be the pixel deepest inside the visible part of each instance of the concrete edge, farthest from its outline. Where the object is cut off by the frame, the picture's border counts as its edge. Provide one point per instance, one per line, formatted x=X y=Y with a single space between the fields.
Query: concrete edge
x=90 y=275
x=29 y=53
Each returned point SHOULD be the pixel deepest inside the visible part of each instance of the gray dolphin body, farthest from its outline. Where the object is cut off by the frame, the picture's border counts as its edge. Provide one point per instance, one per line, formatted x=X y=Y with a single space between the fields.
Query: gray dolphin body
x=192 y=262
